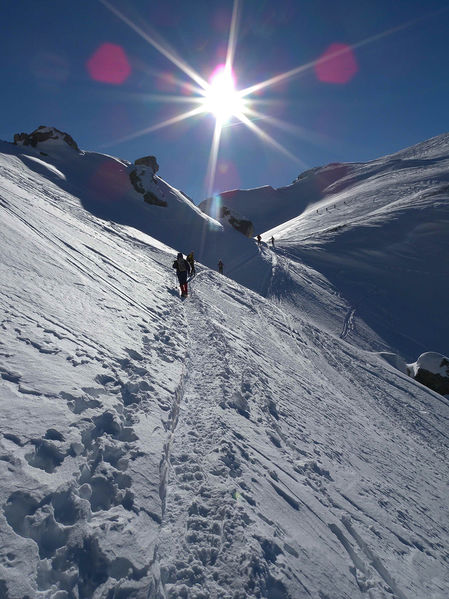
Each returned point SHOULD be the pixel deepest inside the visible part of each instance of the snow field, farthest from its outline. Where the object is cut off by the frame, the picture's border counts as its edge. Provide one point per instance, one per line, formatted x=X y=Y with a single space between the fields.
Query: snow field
x=227 y=447
x=86 y=386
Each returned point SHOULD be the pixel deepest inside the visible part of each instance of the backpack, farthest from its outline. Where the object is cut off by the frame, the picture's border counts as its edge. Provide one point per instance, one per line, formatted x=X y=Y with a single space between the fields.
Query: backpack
x=181 y=265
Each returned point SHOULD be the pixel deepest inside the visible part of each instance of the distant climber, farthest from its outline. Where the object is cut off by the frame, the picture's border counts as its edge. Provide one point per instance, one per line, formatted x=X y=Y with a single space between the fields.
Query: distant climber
x=272 y=241
x=220 y=267
x=259 y=240
x=191 y=260
x=182 y=270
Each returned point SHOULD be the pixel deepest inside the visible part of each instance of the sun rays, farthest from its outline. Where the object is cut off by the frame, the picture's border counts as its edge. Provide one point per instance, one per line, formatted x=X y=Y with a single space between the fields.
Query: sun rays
x=160 y=45
x=220 y=97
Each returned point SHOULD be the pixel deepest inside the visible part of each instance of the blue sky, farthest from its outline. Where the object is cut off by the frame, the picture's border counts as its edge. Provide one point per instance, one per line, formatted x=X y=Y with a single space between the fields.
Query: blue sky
x=394 y=93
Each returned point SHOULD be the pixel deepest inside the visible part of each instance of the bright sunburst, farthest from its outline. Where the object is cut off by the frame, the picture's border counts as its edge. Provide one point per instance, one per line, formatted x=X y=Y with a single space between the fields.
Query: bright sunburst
x=221 y=98
x=218 y=97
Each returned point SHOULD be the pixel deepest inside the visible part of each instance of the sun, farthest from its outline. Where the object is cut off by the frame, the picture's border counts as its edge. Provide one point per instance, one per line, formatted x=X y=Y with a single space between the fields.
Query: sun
x=221 y=98
x=218 y=96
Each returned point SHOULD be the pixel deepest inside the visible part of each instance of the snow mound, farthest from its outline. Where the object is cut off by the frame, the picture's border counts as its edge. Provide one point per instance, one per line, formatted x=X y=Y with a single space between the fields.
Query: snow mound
x=432 y=369
x=432 y=362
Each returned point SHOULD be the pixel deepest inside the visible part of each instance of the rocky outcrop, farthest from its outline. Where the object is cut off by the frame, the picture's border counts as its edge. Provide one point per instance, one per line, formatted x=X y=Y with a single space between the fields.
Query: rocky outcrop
x=239 y=222
x=148 y=161
x=432 y=370
x=42 y=134
x=436 y=382
x=144 y=182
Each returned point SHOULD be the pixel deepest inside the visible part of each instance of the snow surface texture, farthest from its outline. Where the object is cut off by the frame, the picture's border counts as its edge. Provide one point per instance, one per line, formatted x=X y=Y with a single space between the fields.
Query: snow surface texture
x=232 y=446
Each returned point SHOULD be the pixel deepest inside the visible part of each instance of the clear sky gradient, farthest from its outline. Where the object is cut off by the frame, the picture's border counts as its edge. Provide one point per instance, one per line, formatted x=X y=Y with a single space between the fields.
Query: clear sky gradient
x=81 y=68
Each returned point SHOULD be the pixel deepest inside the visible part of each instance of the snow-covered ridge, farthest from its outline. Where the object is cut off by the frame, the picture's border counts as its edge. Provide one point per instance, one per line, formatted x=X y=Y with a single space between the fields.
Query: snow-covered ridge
x=267 y=208
x=435 y=147
x=378 y=231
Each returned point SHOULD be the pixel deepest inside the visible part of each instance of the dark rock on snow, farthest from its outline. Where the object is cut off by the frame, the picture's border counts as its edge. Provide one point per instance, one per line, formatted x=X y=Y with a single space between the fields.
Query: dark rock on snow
x=148 y=161
x=141 y=178
x=433 y=380
x=42 y=134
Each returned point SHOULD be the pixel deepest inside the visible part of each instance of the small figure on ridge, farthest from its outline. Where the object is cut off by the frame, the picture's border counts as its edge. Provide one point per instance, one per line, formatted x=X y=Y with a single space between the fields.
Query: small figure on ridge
x=182 y=270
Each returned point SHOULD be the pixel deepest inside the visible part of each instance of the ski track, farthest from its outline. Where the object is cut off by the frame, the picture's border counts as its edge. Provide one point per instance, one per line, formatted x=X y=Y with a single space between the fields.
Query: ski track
x=348 y=324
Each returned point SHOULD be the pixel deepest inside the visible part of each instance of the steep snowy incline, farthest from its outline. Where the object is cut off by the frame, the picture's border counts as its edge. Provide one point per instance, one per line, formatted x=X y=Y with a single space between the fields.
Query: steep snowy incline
x=300 y=466
x=225 y=447
x=102 y=185
x=91 y=354
x=382 y=245
x=268 y=208
x=365 y=258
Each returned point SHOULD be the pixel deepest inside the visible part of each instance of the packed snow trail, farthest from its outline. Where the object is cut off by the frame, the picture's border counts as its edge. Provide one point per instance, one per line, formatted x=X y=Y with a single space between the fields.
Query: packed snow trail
x=256 y=484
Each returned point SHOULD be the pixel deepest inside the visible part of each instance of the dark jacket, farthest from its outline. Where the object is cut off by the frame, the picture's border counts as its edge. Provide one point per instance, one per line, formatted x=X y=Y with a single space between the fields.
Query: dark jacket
x=182 y=269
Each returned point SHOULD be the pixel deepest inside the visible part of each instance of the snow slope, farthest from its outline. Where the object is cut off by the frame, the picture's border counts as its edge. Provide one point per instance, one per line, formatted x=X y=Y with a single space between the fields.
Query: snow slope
x=226 y=447
x=101 y=184
x=379 y=235
x=266 y=207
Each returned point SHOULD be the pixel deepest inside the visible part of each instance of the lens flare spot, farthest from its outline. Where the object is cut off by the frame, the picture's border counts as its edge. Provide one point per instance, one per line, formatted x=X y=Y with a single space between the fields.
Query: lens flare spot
x=109 y=64
x=337 y=64
x=221 y=98
x=166 y=82
x=186 y=89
